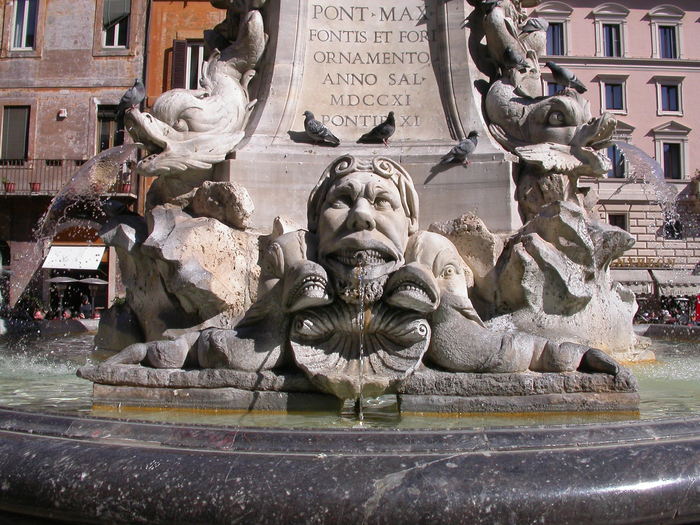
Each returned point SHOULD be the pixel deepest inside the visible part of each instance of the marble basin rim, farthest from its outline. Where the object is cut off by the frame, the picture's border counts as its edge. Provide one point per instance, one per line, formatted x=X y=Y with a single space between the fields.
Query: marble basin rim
x=95 y=470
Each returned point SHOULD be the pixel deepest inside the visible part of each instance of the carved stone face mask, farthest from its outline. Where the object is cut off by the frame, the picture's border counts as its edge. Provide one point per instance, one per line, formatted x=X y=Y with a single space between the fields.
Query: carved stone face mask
x=362 y=227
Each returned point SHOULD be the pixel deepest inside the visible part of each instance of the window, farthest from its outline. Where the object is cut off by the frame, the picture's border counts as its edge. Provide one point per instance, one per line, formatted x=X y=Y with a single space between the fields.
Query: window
x=108 y=131
x=613 y=96
x=193 y=68
x=558 y=14
x=618 y=163
x=669 y=98
x=618 y=219
x=188 y=57
x=553 y=88
x=667 y=42
x=610 y=21
x=15 y=134
x=611 y=40
x=666 y=29
x=115 y=35
x=669 y=95
x=672 y=160
x=671 y=145
x=115 y=23
x=555 y=38
x=24 y=24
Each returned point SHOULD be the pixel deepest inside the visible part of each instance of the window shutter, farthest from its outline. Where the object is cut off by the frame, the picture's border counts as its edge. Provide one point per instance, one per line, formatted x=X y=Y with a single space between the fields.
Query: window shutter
x=179 y=65
x=15 y=132
x=114 y=11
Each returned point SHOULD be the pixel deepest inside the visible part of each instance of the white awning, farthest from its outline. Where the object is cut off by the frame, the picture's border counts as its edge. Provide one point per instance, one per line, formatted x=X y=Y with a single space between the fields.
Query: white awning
x=639 y=281
x=74 y=257
x=676 y=282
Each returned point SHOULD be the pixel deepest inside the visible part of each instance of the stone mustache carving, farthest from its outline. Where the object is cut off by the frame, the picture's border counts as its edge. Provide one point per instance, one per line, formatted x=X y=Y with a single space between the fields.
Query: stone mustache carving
x=362 y=299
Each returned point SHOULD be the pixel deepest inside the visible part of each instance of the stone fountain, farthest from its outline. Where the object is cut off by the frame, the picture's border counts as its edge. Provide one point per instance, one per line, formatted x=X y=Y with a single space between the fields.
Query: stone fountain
x=393 y=285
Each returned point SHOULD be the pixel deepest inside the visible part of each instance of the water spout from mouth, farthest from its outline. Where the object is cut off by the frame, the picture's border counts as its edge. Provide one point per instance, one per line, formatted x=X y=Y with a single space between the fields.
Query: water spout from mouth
x=360 y=258
x=646 y=170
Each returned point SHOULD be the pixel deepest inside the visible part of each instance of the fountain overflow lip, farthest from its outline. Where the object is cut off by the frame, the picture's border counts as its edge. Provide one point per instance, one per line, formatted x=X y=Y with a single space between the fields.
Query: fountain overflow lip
x=632 y=472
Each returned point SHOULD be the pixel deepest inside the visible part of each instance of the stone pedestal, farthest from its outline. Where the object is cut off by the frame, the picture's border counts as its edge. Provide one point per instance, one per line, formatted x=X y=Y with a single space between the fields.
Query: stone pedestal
x=350 y=66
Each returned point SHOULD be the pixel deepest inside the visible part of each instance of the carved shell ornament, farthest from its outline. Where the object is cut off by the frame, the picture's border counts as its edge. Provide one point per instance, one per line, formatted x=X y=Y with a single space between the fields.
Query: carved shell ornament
x=347 y=352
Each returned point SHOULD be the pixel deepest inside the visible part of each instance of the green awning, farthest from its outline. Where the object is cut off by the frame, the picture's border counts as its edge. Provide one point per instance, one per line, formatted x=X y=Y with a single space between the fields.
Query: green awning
x=115 y=11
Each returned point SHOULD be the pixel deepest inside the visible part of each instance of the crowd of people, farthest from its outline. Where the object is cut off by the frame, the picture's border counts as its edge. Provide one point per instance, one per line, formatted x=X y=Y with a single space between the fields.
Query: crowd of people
x=670 y=311
x=84 y=311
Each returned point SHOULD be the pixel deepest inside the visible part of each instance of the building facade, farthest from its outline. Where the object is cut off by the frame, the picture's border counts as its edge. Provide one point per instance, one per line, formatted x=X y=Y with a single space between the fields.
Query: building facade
x=640 y=60
x=176 y=47
x=64 y=65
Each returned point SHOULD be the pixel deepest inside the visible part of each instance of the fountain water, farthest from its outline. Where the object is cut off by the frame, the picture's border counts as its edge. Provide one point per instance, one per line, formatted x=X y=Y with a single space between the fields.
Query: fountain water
x=361 y=321
x=425 y=341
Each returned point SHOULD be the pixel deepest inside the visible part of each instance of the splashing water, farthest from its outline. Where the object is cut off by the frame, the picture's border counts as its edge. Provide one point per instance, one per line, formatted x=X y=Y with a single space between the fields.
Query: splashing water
x=88 y=184
x=361 y=318
x=81 y=197
x=646 y=170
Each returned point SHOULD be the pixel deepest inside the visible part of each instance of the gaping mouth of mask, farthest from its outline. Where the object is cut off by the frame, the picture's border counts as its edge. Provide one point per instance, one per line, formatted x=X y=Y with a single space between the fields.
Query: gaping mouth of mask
x=419 y=291
x=311 y=290
x=360 y=258
x=413 y=289
x=597 y=133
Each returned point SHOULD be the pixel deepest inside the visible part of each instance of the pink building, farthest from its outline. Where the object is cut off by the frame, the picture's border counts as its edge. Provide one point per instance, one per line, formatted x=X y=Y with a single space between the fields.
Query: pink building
x=640 y=60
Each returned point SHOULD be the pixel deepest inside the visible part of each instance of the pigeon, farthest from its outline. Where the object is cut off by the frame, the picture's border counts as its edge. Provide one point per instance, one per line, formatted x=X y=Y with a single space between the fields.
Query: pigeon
x=535 y=24
x=317 y=131
x=513 y=60
x=565 y=78
x=133 y=97
x=461 y=151
x=382 y=132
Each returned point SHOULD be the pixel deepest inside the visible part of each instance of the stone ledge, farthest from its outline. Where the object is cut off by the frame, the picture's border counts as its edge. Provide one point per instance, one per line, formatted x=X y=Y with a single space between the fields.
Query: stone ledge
x=579 y=402
x=214 y=398
x=426 y=391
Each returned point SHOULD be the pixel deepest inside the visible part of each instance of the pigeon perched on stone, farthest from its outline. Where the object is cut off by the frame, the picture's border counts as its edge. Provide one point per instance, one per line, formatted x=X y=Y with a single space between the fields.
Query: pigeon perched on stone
x=461 y=151
x=514 y=60
x=565 y=78
x=382 y=132
x=133 y=97
x=317 y=131
x=535 y=24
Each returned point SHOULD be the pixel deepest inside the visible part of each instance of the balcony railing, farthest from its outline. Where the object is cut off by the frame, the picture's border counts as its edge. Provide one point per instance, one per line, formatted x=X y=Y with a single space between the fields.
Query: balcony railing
x=48 y=176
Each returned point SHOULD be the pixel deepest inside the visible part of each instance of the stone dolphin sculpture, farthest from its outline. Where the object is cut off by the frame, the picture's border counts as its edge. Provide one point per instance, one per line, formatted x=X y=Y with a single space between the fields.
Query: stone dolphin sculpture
x=461 y=343
x=188 y=131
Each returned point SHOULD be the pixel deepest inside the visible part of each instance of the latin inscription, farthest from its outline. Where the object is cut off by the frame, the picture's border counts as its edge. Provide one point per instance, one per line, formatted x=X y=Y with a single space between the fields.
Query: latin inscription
x=366 y=60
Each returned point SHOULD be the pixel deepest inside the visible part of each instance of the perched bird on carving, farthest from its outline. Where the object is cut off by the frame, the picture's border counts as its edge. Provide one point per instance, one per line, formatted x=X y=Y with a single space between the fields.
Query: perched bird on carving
x=317 y=131
x=132 y=98
x=535 y=24
x=565 y=78
x=514 y=60
x=461 y=152
x=382 y=132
